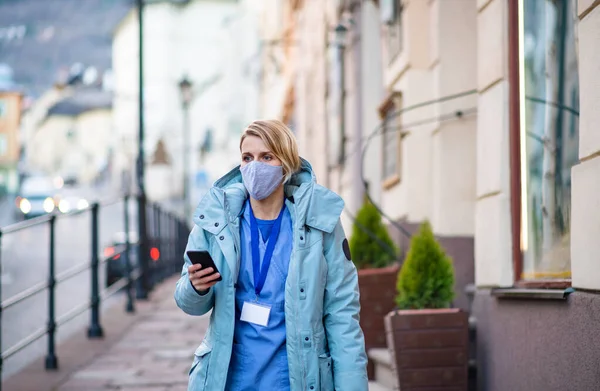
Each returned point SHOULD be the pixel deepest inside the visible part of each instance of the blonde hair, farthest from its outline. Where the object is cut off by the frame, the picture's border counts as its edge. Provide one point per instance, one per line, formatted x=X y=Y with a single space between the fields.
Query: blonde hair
x=280 y=140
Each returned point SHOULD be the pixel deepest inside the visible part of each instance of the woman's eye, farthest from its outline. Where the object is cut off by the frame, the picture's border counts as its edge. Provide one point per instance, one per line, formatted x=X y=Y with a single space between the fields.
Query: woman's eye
x=268 y=158
x=246 y=158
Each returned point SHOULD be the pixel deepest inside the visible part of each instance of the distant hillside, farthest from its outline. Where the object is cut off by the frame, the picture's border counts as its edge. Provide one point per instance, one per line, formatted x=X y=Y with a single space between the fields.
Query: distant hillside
x=38 y=38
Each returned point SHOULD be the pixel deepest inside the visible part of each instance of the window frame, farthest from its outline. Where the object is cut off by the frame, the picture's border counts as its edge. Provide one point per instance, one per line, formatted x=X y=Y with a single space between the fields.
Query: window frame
x=392 y=103
x=514 y=75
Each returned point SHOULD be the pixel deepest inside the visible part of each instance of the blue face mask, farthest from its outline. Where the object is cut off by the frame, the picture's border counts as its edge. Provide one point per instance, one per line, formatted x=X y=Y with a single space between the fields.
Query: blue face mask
x=261 y=179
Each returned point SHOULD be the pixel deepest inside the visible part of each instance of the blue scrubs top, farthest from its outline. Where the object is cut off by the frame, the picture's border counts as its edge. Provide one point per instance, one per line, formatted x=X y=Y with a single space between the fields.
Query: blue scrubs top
x=259 y=356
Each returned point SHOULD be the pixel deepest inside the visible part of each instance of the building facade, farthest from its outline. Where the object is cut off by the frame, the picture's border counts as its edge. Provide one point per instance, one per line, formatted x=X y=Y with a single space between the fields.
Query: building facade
x=495 y=151
x=479 y=116
x=74 y=137
x=428 y=133
x=537 y=207
x=324 y=86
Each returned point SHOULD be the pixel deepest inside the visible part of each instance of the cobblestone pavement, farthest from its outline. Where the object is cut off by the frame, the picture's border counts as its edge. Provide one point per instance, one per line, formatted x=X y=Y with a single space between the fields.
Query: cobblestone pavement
x=155 y=354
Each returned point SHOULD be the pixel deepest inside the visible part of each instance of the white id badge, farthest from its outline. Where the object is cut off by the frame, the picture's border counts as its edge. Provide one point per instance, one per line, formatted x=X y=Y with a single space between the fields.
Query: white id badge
x=255 y=313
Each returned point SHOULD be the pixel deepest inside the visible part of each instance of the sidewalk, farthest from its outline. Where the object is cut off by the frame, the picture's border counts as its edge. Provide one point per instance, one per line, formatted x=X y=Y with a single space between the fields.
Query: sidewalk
x=149 y=351
x=155 y=354
x=152 y=353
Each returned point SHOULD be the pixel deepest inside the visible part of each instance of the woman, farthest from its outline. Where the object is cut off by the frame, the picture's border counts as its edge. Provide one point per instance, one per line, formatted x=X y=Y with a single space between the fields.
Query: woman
x=285 y=314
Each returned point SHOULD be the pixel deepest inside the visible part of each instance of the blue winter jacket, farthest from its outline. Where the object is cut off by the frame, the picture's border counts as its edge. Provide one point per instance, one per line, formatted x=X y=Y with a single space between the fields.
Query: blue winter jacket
x=325 y=344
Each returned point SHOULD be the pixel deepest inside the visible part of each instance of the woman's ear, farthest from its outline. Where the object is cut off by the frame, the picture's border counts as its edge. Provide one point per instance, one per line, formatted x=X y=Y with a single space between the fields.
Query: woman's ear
x=286 y=177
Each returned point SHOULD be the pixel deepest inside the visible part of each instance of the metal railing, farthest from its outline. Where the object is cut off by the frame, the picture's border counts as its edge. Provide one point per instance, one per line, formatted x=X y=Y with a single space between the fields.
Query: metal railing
x=167 y=235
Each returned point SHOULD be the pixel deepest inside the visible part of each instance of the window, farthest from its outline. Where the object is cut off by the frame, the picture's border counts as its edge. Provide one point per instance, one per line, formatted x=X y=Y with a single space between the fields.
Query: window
x=391 y=17
x=549 y=136
x=391 y=140
x=3 y=145
x=3 y=108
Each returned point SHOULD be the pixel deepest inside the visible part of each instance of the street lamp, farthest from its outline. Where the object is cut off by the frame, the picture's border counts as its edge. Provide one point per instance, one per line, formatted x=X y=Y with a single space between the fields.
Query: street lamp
x=143 y=283
x=340 y=34
x=185 y=88
x=339 y=38
x=186 y=94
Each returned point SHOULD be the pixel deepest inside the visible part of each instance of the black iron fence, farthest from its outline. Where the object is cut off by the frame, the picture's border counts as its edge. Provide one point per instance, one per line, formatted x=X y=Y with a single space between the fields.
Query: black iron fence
x=160 y=257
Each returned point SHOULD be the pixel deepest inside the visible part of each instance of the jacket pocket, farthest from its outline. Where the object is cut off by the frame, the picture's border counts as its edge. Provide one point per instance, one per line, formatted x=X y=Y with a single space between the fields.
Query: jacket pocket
x=199 y=370
x=325 y=372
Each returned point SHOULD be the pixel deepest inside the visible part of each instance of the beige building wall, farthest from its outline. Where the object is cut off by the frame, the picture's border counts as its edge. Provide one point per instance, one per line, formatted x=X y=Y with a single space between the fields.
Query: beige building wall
x=317 y=92
x=36 y=115
x=295 y=75
x=493 y=255
x=95 y=136
x=373 y=93
x=437 y=175
x=310 y=86
x=276 y=32
x=585 y=227
x=49 y=143
x=10 y=119
x=454 y=71
x=54 y=152
x=364 y=94
x=438 y=158
x=409 y=74
x=344 y=176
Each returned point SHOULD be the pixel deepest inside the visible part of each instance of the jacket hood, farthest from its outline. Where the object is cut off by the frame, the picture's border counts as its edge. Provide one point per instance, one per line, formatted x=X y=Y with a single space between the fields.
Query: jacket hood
x=316 y=206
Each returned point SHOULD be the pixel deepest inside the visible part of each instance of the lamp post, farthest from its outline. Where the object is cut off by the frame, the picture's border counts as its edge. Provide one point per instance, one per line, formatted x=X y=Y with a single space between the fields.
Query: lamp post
x=143 y=285
x=186 y=93
x=340 y=34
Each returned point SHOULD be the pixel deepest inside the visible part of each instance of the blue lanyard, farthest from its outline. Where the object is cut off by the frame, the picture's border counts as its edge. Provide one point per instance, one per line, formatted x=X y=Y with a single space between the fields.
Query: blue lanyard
x=260 y=273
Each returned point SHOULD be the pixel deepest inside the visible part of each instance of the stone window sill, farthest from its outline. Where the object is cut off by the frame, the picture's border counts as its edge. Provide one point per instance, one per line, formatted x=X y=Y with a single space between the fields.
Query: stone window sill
x=532 y=293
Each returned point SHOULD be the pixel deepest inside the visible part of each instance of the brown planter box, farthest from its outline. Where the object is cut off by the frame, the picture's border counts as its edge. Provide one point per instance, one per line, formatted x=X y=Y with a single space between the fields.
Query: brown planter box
x=429 y=348
x=377 y=295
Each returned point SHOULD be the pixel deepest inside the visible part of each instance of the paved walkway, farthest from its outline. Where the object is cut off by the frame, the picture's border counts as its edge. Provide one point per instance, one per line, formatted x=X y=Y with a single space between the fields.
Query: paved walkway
x=155 y=354
x=149 y=351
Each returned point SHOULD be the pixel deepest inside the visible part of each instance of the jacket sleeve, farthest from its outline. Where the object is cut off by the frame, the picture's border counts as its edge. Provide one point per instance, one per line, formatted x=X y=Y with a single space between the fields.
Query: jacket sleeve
x=341 y=315
x=186 y=297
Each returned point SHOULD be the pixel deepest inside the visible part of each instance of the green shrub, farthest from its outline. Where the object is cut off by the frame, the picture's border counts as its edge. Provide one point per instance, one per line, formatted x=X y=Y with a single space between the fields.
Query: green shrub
x=366 y=250
x=426 y=279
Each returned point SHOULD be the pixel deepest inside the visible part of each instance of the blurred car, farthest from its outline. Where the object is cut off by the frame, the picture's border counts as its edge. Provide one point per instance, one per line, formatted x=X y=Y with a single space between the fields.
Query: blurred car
x=70 y=181
x=114 y=253
x=70 y=198
x=36 y=197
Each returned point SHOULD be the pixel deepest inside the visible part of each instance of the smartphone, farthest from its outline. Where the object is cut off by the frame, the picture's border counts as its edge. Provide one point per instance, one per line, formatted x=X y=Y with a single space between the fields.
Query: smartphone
x=203 y=258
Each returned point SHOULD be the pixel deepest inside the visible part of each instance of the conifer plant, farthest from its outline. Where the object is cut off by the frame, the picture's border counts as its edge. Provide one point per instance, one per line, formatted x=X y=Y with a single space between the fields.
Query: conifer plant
x=370 y=243
x=426 y=279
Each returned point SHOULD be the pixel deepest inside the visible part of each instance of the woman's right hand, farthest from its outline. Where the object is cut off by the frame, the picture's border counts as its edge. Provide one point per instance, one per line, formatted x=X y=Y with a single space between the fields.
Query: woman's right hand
x=202 y=280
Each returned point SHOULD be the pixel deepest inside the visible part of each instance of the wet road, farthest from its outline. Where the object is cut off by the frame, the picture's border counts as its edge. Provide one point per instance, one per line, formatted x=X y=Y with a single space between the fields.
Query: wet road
x=25 y=262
